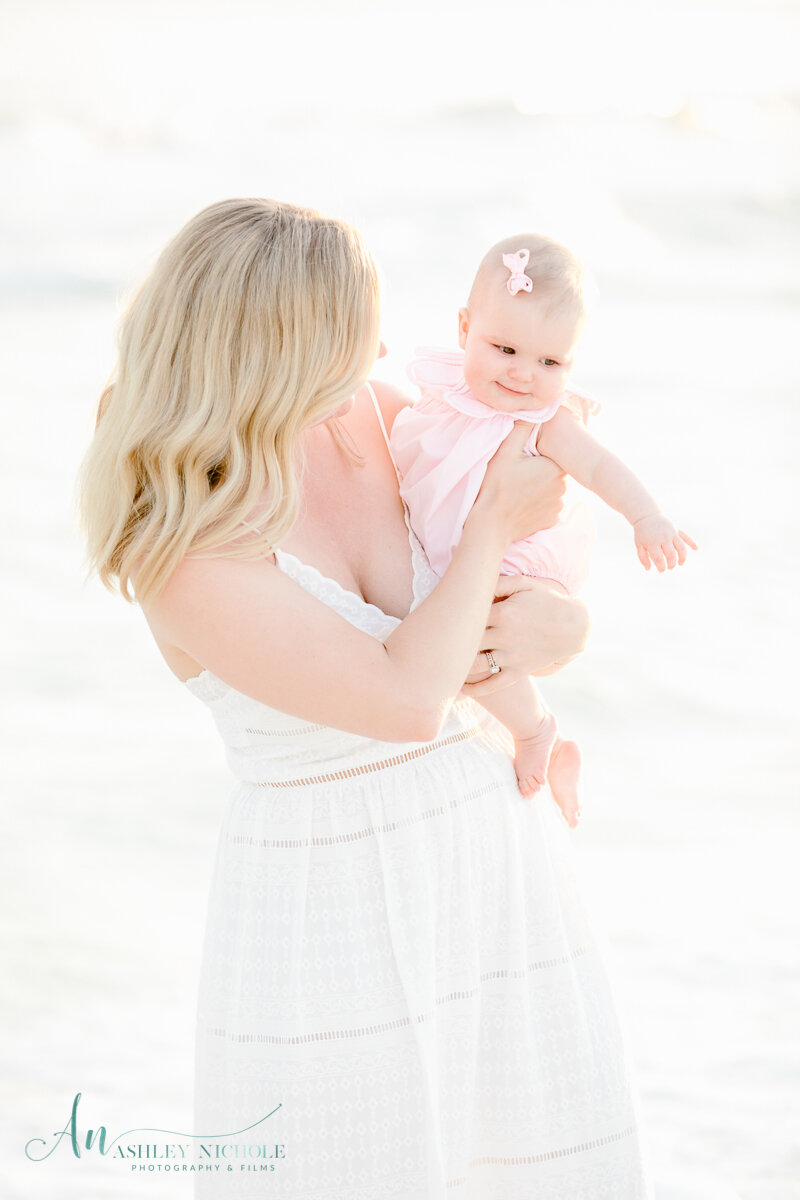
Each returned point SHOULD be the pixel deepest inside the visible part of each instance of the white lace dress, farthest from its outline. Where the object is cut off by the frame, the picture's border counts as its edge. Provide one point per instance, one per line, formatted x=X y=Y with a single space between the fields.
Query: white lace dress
x=399 y=968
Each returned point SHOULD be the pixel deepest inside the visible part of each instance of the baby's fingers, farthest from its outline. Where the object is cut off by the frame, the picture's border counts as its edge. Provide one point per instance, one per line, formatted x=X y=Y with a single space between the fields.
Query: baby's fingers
x=644 y=558
x=680 y=542
x=669 y=554
x=658 y=558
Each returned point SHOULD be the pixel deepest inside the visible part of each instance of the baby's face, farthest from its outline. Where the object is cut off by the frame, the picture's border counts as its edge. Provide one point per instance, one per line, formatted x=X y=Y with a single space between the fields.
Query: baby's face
x=517 y=355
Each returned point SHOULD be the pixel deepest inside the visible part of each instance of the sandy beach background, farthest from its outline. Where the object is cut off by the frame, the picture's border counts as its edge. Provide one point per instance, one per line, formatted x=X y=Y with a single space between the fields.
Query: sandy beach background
x=661 y=140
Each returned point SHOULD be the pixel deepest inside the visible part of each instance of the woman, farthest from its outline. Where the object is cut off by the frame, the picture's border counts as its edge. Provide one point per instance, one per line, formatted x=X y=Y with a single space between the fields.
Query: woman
x=400 y=989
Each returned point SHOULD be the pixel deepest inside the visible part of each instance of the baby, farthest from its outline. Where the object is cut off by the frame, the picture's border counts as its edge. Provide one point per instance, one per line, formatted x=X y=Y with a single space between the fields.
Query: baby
x=518 y=335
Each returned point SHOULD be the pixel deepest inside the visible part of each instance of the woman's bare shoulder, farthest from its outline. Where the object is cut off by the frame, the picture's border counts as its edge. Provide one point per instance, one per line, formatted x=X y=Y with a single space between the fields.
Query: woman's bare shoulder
x=199 y=587
x=200 y=580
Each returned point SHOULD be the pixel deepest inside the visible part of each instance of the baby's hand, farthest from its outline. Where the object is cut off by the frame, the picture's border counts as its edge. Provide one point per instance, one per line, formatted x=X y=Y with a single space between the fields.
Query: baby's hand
x=659 y=542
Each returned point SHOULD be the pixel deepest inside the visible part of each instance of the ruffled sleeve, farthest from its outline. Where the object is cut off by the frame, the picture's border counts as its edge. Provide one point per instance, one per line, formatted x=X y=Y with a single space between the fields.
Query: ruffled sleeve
x=582 y=404
x=435 y=370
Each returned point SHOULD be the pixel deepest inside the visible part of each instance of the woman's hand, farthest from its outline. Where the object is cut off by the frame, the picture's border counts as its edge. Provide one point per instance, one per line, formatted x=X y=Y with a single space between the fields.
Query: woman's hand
x=525 y=492
x=532 y=630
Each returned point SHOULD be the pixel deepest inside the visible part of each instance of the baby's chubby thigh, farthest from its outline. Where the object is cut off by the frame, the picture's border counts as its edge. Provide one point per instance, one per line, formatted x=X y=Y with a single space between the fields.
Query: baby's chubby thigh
x=540 y=573
x=534 y=558
x=561 y=553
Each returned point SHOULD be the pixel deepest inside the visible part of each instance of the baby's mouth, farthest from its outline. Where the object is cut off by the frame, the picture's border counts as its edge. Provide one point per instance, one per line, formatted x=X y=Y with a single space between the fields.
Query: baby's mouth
x=511 y=391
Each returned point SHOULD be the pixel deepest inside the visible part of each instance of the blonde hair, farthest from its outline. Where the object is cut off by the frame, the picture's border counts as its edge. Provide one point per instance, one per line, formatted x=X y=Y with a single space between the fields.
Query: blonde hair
x=559 y=277
x=258 y=320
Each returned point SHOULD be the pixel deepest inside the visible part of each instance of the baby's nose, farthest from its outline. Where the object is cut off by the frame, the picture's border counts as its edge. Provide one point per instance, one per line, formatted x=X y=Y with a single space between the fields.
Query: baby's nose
x=522 y=370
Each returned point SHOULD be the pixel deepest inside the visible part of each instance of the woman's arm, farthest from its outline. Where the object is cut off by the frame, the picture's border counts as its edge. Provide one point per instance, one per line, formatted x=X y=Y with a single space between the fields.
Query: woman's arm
x=261 y=633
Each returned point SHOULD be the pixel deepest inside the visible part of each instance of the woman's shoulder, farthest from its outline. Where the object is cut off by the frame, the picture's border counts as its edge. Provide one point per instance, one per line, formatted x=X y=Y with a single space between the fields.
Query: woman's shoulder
x=200 y=586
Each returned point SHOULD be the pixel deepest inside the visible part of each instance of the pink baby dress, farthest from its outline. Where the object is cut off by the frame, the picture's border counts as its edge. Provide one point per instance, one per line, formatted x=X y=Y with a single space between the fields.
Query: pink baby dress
x=442 y=445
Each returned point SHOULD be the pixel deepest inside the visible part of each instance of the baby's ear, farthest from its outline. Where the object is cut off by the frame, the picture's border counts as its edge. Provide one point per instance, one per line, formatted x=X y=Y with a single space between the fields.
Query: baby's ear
x=463 y=326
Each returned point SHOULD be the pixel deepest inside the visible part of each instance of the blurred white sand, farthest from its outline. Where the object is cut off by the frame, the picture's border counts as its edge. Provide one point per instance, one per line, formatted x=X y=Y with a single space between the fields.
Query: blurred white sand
x=684 y=701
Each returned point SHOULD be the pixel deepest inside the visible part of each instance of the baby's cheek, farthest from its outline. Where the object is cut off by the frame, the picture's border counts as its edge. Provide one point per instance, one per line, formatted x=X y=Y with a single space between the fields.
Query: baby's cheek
x=472 y=377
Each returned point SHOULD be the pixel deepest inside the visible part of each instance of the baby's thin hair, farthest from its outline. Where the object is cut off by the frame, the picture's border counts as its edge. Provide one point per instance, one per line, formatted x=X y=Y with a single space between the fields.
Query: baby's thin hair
x=558 y=275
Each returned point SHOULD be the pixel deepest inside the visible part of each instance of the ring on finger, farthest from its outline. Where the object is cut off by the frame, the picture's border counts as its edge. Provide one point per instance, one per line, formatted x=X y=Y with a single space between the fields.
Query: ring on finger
x=493 y=667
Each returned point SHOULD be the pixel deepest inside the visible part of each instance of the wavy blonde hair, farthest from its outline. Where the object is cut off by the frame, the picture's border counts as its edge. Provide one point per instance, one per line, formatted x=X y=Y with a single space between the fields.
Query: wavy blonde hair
x=258 y=320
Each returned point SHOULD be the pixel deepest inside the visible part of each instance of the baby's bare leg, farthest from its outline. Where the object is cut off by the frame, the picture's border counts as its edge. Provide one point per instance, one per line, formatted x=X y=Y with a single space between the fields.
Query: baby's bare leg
x=520 y=709
x=540 y=754
x=563 y=776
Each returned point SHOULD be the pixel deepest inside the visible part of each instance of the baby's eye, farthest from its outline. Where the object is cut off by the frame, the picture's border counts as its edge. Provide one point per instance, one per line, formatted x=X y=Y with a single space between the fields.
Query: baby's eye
x=506 y=349
x=549 y=362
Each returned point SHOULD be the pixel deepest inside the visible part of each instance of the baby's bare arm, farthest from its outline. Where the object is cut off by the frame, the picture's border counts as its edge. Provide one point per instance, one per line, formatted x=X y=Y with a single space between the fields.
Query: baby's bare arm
x=572 y=447
x=568 y=443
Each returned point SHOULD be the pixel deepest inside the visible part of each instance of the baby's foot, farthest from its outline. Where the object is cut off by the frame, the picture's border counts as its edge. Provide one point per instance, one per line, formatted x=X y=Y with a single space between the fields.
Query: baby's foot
x=563 y=776
x=532 y=754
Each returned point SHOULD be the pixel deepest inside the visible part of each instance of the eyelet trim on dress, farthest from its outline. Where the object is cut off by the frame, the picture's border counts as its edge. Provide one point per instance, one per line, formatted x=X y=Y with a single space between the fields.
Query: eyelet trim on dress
x=358 y=835
x=368 y=768
x=332 y=1035
x=282 y=733
x=547 y=1155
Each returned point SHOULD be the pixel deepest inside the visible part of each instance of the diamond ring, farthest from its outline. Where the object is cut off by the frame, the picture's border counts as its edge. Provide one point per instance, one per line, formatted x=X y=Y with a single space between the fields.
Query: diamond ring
x=493 y=667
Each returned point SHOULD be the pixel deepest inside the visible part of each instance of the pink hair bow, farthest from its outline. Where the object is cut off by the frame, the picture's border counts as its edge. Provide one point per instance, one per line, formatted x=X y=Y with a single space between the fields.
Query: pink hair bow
x=516 y=263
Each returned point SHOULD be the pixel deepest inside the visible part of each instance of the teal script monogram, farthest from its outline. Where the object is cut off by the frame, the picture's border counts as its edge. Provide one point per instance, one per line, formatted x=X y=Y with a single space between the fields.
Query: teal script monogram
x=98 y=1138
